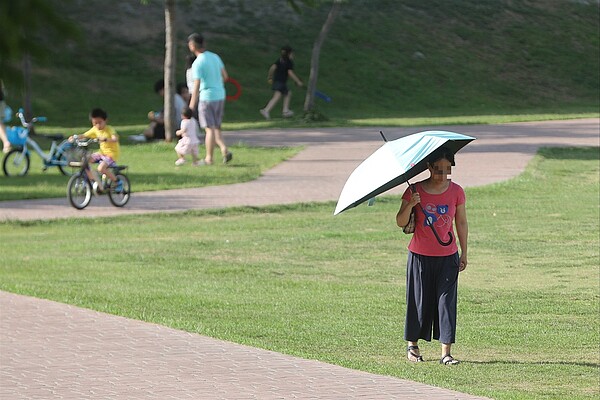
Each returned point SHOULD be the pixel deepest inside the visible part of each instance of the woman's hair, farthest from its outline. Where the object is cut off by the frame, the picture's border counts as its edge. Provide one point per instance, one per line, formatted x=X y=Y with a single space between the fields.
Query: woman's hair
x=285 y=52
x=181 y=86
x=189 y=60
x=159 y=85
x=441 y=153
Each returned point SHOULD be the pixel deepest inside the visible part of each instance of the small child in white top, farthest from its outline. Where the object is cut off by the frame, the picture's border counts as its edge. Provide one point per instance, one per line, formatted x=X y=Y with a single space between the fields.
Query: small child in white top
x=188 y=144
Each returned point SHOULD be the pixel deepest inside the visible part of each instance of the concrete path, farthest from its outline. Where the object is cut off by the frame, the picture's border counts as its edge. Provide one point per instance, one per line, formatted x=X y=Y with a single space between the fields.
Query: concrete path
x=55 y=351
x=319 y=172
x=50 y=350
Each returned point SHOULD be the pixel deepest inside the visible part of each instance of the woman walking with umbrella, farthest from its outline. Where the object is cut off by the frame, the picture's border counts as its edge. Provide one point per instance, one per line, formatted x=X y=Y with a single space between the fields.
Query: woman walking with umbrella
x=433 y=264
x=433 y=258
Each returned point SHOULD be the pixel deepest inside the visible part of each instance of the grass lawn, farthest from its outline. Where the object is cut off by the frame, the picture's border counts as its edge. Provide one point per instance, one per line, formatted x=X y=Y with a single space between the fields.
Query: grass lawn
x=296 y=280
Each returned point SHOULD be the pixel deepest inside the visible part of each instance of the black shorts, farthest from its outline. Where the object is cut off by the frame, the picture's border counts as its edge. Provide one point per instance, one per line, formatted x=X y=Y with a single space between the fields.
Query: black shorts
x=280 y=87
x=158 y=132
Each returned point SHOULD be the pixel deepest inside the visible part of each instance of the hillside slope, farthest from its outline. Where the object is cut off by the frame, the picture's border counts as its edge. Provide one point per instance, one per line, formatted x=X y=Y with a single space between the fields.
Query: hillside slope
x=382 y=58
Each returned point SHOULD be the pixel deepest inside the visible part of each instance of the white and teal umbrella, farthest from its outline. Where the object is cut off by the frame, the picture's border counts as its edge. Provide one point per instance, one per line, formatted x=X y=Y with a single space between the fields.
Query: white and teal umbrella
x=395 y=163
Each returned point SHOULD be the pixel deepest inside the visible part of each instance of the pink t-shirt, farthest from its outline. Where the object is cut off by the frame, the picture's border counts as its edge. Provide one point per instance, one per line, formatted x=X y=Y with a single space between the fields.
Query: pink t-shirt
x=440 y=209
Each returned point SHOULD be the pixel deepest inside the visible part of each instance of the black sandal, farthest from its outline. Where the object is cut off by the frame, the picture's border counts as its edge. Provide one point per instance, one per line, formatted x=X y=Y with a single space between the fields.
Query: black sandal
x=415 y=357
x=449 y=360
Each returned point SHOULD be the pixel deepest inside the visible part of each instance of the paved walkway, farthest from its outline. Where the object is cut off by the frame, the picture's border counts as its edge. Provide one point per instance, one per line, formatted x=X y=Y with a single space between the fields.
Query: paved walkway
x=52 y=350
x=319 y=172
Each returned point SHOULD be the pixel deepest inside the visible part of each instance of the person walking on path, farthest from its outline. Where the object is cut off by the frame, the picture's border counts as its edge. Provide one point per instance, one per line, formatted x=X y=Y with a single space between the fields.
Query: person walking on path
x=432 y=269
x=208 y=95
x=279 y=72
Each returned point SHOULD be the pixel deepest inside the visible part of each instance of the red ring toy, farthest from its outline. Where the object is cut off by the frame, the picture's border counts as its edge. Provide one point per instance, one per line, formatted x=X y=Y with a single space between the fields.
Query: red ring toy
x=238 y=88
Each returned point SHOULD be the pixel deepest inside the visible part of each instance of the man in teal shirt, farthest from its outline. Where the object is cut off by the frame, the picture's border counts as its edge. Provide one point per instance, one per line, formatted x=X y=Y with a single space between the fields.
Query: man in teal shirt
x=208 y=95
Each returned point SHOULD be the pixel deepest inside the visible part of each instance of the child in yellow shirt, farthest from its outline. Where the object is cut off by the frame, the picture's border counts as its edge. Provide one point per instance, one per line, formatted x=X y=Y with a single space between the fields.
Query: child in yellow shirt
x=110 y=150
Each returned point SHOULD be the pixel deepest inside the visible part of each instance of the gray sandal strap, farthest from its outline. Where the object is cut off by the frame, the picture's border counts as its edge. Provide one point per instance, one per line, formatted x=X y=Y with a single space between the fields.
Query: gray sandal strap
x=417 y=357
x=449 y=360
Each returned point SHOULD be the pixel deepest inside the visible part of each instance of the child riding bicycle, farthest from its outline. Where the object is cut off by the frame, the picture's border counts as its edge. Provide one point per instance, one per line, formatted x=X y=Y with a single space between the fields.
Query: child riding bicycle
x=109 y=152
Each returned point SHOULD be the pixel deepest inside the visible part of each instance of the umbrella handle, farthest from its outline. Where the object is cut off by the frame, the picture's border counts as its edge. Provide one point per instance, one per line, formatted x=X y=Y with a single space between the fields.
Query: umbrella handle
x=437 y=236
x=439 y=239
x=429 y=224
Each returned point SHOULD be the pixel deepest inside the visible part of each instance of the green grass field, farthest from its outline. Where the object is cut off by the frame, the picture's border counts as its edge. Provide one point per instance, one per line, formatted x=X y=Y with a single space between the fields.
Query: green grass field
x=296 y=280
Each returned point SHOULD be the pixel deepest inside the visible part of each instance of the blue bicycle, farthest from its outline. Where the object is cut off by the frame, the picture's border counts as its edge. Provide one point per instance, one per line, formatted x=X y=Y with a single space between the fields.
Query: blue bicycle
x=17 y=161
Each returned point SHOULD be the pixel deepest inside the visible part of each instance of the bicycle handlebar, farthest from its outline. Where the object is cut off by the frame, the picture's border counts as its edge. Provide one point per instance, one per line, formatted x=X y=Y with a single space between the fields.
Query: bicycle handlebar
x=83 y=141
x=26 y=124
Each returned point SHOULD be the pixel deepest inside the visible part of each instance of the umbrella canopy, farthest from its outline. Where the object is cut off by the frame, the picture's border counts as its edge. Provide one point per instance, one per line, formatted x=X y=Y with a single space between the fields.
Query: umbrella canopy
x=395 y=163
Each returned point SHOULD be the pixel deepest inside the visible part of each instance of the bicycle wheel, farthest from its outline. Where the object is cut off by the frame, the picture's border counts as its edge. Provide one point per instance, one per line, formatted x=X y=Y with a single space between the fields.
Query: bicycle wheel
x=79 y=191
x=16 y=163
x=119 y=194
x=67 y=153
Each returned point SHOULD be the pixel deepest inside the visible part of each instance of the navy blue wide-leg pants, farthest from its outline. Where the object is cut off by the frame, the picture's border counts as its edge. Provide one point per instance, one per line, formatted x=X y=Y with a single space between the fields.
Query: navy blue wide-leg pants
x=431 y=293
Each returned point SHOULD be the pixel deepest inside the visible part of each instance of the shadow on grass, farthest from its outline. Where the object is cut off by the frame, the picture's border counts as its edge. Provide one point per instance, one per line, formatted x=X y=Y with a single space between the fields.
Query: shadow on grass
x=508 y=362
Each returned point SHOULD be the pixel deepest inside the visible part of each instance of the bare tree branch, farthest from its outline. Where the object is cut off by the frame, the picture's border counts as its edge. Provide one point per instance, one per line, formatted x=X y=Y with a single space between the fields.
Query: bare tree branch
x=309 y=101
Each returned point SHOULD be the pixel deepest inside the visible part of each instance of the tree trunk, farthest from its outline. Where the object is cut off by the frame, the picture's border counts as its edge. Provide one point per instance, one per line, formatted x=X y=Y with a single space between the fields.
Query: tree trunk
x=309 y=101
x=170 y=55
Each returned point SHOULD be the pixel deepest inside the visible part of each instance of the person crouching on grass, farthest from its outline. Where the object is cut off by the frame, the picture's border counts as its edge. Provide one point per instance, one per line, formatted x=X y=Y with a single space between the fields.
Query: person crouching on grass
x=109 y=152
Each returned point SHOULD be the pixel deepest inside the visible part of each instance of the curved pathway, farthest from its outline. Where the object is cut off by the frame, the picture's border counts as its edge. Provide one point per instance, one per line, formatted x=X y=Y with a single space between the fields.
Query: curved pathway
x=53 y=350
x=319 y=172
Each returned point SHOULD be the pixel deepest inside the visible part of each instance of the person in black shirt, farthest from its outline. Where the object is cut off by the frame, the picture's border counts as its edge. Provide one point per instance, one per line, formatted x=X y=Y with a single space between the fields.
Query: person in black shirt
x=279 y=72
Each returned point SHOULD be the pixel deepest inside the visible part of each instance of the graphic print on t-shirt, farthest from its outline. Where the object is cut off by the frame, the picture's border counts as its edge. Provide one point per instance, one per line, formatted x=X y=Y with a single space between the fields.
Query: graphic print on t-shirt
x=436 y=215
x=430 y=214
